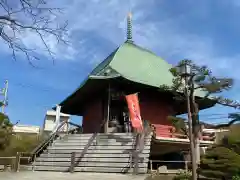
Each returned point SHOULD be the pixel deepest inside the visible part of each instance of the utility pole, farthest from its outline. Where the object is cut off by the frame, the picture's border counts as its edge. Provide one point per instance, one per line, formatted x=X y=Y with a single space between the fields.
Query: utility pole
x=5 y=93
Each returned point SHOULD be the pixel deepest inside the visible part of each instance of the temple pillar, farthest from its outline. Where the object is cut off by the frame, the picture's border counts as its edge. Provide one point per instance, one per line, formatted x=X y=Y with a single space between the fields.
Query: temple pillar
x=106 y=109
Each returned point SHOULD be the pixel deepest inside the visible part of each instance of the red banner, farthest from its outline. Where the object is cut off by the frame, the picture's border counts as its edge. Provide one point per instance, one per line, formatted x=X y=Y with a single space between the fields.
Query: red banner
x=134 y=111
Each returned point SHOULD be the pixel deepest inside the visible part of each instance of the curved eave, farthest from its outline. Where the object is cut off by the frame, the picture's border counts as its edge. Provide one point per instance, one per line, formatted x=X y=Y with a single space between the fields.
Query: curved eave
x=74 y=103
x=204 y=103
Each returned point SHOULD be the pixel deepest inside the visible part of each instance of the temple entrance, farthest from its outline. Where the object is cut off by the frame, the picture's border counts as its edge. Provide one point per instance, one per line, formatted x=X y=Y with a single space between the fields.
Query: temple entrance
x=119 y=121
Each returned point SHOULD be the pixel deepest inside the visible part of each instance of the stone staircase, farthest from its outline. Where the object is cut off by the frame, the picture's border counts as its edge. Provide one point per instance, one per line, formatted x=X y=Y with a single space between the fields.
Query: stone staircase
x=109 y=153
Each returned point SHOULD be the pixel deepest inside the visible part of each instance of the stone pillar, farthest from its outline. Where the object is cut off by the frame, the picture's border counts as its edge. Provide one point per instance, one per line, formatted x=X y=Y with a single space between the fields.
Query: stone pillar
x=187 y=158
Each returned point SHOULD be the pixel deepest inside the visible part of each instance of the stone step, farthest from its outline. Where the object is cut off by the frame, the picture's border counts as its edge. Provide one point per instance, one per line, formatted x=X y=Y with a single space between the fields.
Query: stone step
x=101 y=137
x=88 y=155
x=126 y=140
x=85 y=169
x=118 y=137
x=92 y=147
x=102 y=143
x=75 y=139
x=89 y=159
x=88 y=164
x=98 y=151
x=103 y=134
x=99 y=140
x=107 y=153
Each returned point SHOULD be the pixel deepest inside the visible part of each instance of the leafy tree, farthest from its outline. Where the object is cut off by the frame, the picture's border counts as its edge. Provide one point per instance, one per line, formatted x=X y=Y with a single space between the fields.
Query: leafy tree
x=11 y=143
x=201 y=79
x=234 y=118
x=19 y=18
x=5 y=131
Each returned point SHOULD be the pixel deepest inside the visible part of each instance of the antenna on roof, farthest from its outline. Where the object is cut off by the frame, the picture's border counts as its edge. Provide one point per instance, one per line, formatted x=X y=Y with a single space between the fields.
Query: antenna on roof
x=129 y=28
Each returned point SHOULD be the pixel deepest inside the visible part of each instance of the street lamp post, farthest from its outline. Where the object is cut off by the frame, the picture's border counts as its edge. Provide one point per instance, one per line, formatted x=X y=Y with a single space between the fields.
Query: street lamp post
x=185 y=71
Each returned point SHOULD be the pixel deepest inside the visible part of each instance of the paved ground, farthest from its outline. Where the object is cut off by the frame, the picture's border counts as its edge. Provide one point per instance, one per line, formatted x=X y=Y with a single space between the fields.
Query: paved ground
x=28 y=175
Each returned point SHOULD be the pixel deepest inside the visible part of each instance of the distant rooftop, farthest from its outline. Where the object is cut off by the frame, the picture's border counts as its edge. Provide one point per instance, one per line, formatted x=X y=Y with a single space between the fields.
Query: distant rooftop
x=53 y=113
x=26 y=129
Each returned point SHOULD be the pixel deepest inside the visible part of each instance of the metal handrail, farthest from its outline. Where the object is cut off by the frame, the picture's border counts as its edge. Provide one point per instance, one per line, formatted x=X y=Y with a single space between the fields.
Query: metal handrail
x=46 y=142
x=91 y=139
x=140 y=143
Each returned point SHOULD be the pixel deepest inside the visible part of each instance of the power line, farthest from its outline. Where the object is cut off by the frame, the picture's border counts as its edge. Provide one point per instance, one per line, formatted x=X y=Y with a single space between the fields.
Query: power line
x=29 y=86
x=212 y=116
x=219 y=114
x=220 y=117
x=4 y=93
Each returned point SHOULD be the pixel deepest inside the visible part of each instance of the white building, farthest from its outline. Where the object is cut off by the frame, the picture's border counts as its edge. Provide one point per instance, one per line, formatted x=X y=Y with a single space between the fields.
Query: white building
x=50 y=121
x=26 y=129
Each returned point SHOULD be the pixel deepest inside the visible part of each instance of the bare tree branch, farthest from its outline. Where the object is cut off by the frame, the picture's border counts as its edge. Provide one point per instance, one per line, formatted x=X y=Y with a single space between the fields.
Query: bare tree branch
x=28 y=16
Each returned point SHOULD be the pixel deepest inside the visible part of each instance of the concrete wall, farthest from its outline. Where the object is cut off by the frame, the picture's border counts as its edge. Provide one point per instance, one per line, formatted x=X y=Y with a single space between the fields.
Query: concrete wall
x=21 y=131
x=50 y=122
x=28 y=129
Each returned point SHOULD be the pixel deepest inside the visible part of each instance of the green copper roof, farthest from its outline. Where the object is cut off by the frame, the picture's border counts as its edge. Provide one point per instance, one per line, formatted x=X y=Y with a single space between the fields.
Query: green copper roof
x=130 y=62
x=138 y=65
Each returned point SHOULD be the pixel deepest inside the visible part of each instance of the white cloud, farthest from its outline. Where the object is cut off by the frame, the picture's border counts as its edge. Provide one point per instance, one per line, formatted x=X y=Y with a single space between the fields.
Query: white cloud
x=163 y=35
x=94 y=24
x=172 y=43
x=96 y=27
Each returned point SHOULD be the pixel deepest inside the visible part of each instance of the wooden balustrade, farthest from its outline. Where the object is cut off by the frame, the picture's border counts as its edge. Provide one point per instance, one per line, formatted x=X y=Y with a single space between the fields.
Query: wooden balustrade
x=167 y=131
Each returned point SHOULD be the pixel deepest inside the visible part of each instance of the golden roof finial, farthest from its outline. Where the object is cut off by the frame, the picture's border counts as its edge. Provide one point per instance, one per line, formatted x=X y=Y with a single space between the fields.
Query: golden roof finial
x=130 y=15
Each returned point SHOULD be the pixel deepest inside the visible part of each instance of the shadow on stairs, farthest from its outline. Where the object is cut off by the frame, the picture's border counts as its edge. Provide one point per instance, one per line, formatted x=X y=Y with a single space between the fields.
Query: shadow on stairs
x=106 y=153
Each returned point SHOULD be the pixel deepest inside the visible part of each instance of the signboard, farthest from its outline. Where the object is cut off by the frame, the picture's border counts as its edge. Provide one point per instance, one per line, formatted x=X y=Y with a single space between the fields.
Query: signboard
x=134 y=111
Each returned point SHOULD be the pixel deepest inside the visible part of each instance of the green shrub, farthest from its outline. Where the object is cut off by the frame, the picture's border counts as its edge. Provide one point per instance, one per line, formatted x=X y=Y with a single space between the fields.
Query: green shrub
x=20 y=143
x=236 y=177
x=220 y=162
x=183 y=175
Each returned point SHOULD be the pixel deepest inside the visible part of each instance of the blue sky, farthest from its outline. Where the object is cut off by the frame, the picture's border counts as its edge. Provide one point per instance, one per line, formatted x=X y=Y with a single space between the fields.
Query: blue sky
x=204 y=31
